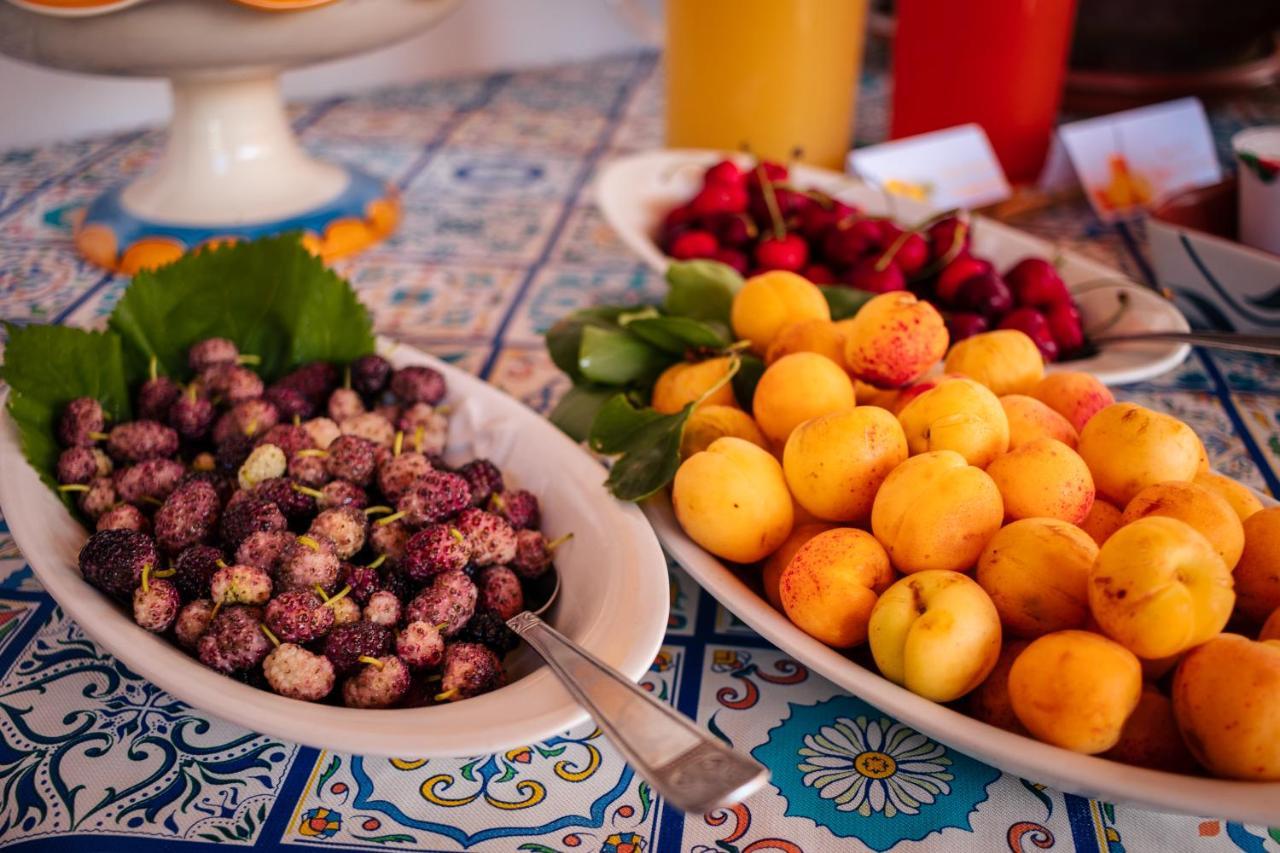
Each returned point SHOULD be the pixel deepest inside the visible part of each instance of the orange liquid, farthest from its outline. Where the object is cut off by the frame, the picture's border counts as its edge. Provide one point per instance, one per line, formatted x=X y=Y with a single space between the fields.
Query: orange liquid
x=999 y=63
x=771 y=76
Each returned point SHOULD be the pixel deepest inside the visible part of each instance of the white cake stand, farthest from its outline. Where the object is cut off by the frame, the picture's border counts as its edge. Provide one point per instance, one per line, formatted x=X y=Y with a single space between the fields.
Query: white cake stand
x=233 y=168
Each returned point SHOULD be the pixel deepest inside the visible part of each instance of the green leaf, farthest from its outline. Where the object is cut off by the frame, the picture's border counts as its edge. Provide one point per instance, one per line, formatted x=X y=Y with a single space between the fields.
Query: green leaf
x=701 y=289
x=746 y=379
x=47 y=367
x=616 y=357
x=844 y=301
x=648 y=441
x=564 y=338
x=270 y=296
x=577 y=409
x=678 y=335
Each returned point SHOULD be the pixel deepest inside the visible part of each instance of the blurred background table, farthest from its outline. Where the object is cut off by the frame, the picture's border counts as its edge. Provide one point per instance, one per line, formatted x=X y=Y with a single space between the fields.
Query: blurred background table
x=500 y=238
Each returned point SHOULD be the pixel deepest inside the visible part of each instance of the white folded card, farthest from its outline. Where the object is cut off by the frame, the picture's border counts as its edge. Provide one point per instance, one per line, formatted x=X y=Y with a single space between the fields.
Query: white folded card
x=955 y=167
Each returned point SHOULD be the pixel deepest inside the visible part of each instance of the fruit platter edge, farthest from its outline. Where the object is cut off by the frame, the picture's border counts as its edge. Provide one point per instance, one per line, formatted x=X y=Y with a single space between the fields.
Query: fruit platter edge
x=50 y=537
x=1086 y=775
x=635 y=191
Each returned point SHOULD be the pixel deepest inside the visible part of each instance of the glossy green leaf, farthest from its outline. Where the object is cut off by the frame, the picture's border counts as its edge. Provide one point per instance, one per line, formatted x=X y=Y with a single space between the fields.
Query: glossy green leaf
x=678 y=335
x=577 y=409
x=616 y=357
x=648 y=441
x=701 y=289
x=844 y=301
x=564 y=338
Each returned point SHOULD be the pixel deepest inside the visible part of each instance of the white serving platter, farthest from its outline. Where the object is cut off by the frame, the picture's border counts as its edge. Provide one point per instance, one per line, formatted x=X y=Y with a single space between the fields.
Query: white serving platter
x=613 y=600
x=634 y=193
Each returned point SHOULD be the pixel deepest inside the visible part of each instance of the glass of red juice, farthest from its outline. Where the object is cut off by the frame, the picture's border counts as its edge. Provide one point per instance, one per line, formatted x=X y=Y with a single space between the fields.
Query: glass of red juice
x=999 y=63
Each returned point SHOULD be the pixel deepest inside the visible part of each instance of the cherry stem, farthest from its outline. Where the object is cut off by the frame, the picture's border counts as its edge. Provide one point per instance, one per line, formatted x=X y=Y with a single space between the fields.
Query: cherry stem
x=887 y=258
x=371 y=661
x=306 y=490
x=73 y=487
x=382 y=558
x=378 y=510
x=771 y=202
x=146 y=577
x=447 y=695
x=387 y=519
x=275 y=641
x=343 y=593
x=309 y=542
x=557 y=542
x=324 y=596
x=99 y=436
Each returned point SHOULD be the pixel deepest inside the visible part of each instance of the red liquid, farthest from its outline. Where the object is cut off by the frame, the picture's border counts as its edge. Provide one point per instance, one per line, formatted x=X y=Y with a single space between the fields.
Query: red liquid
x=999 y=63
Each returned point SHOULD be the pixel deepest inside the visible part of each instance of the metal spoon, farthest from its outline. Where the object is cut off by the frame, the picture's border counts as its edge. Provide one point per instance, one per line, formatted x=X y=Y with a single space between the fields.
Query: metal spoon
x=1265 y=344
x=686 y=765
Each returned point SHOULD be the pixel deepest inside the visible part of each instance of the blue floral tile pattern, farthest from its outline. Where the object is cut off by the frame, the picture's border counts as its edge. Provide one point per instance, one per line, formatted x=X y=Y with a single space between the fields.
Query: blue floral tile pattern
x=500 y=238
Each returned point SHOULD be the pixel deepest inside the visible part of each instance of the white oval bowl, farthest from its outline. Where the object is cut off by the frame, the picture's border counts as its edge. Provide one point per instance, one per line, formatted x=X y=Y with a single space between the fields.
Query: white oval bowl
x=1086 y=775
x=613 y=567
x=634 y=193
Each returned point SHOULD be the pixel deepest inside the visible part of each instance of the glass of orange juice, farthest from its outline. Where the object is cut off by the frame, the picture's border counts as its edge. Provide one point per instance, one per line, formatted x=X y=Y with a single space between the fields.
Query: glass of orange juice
x=777 y=78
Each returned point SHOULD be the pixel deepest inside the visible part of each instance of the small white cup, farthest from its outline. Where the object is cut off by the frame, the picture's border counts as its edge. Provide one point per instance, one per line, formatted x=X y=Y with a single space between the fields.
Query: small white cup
x=1257 y=153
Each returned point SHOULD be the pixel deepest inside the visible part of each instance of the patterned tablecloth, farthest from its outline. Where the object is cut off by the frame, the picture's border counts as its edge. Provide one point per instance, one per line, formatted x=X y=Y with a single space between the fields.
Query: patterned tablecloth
x=500 y=238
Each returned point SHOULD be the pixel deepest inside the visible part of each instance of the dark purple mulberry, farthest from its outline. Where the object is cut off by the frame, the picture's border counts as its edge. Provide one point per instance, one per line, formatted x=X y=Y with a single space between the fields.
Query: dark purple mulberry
x=346 y=644
x=155 y=397
x=192 y=415
x=313 y=380
x=265 y=549
x=378 y=685
x=491 y=539
x=136 y=441
x=232 y=383
x=297 y=506
x=290 y=402
x=298 y=616
x=187 y=517
x=288 y=437
x=77 y=465
x=369 y=374
x=489 y=629
x=436 y=496
x=211 y=351
x=469 y=670
x=435 y=549
x=533 y=554
x=450 y=601
x=363 y=580
x=352 y=458
x=81 y=419
x=398 y=474
x=234 y=641
x=247 y=516
x=518 y=507
x=500 y=591
x=417 y=384
x=194 y=569
x=338 y=493
x=113 y=560
x=484 y=478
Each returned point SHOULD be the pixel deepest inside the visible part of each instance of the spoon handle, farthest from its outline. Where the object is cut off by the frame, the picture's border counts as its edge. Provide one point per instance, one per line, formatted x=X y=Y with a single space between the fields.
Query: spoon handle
x=685 y=765
x=1265 y=344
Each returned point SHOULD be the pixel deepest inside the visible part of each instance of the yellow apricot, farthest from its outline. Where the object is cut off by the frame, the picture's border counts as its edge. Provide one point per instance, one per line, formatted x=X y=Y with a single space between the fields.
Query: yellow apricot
x=957 y=414
x=935 y=511
x=1206 y=511
x=1103 y=520
x=835 y=463
x=768 y=302
x=894 y=339
x=685 y=382
x=733 y=501
x=814 y=335
x=771 y=570
x=1128 y=447
x=1043 y=479
x=1006 y=361
x=832 y=583
x=1030 y=419
x=1075 y=689
x=1257 y=574
x=707 y=423
x=1075 y=395
x=1241 y=497
x=798 y=387
x=1037 y=573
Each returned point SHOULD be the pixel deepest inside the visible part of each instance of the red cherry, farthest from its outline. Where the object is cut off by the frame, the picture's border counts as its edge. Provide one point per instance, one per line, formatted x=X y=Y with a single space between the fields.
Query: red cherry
x=1066 y=327
x=912 y=254
x=733 y=258
x=775 y=172
x=850 y=240
x=719 y=198
x=734 y=229
x=693 y=244
x=945 y=234
x=1035 y=282
x=789 y=252
x=677 y=221
x=1032 y=323
x=819 y=274
x=964 y=324
x=865 y=276
x=789 y=203
x=957 y=273
x=985 y=293
x=726 y=172
x=815 y=220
